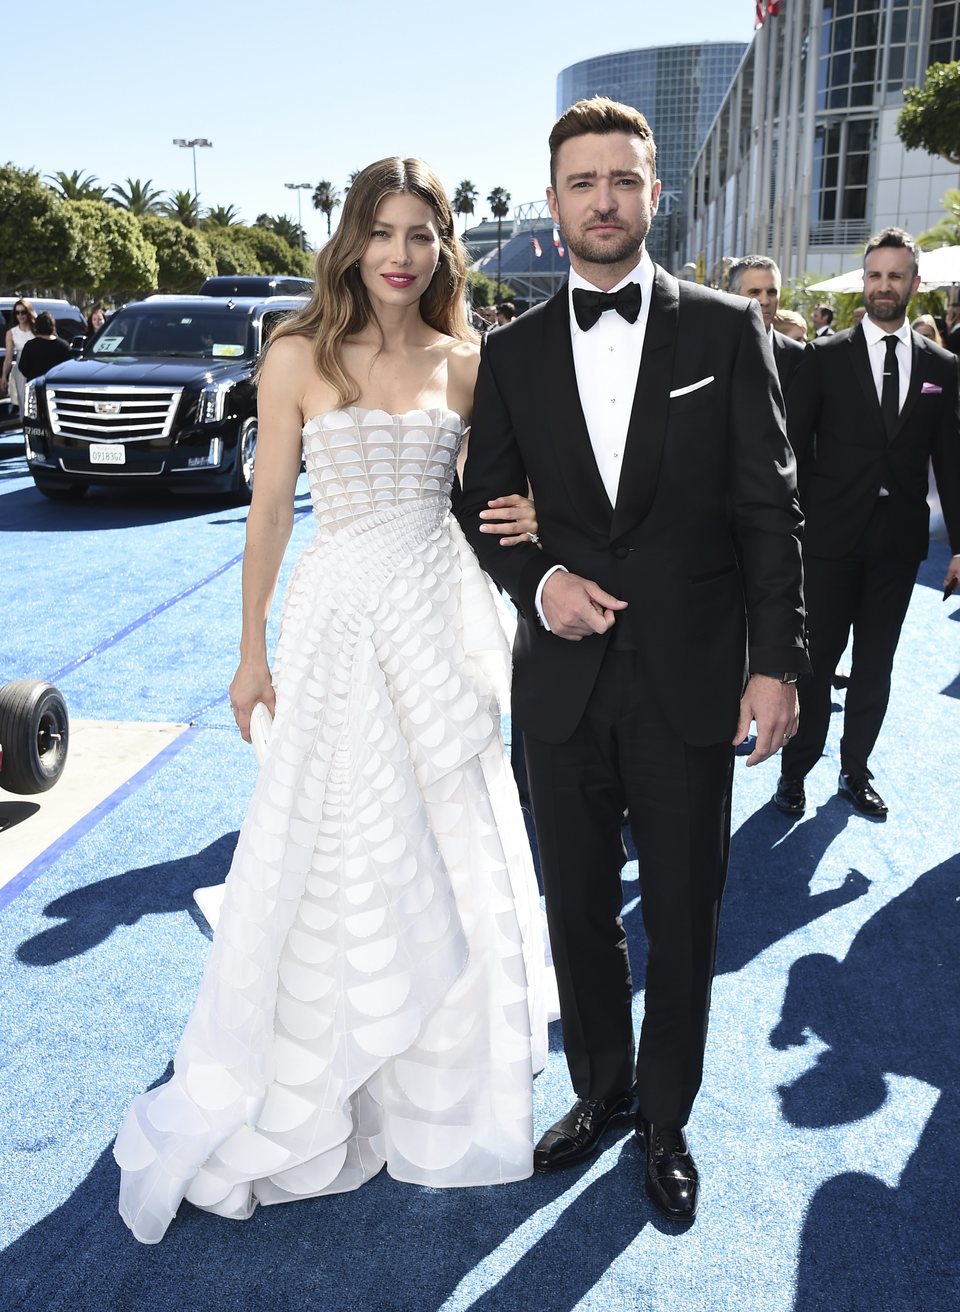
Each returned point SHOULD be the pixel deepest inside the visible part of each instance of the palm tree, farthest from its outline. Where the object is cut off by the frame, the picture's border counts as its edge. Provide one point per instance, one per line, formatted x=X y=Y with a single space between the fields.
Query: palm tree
x=289 y=230
x=74 y=186
x=222 y=216
x=137 y=197
x=465 y=200
x=326 y=198
x=184 y=207
x=499 y=202
x=351 y=179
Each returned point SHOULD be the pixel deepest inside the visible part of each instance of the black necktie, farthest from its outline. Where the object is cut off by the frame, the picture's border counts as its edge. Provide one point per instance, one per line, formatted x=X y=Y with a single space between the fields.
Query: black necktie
x=588 y=306
x=890 y=391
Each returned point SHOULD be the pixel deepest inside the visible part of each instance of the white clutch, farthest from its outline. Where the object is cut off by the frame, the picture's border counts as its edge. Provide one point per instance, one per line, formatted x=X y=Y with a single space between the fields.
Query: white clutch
x=261 y=723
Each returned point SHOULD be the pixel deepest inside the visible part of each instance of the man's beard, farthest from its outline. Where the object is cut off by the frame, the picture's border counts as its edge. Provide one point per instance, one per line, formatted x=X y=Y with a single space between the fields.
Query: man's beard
x=886 y=311
x=594 y=251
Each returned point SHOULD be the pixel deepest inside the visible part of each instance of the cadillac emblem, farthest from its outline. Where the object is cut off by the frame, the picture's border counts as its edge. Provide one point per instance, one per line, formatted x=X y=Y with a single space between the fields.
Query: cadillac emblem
x=106 y=407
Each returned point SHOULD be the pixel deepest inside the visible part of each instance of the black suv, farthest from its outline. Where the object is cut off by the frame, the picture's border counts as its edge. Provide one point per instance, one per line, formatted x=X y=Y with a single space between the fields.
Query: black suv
x=255 y=284
x=163 y=396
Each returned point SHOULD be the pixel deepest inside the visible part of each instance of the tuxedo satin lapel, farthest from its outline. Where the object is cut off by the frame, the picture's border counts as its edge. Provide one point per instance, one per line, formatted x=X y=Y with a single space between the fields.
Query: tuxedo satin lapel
x=857 y=344
x=566 y=426
x=917 y=379
x=651 y=403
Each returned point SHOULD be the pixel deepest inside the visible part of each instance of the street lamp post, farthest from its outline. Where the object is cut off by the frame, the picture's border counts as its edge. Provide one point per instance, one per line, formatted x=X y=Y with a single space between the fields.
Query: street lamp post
x=197 y=141
x=298 y=187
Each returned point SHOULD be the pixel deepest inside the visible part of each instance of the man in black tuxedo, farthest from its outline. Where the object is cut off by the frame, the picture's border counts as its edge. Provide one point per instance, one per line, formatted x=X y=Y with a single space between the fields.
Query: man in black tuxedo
x=868 y=409
x=758 y=277
x=951 y=339
x=647 y=417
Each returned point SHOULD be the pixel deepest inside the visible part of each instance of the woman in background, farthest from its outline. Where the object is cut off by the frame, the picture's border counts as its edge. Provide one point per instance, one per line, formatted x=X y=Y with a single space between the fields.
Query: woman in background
x=18 y=334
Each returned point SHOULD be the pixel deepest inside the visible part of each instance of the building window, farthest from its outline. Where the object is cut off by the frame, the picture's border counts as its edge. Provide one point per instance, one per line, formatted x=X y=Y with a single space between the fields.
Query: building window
x=841 y=180
x=850 y=49
x=944 y=34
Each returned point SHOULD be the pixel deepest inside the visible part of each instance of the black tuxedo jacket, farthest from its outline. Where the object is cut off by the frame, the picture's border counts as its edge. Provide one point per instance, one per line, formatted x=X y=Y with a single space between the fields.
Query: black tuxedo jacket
x=704 y=540
x=844 y=456
x=786 y=356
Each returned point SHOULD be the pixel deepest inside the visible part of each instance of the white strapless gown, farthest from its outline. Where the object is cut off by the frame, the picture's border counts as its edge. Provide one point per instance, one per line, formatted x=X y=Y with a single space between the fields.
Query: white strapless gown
x=376 y=992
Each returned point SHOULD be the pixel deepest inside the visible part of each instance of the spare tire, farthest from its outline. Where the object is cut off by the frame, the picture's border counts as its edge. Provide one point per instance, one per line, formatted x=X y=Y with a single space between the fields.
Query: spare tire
x=34 y=734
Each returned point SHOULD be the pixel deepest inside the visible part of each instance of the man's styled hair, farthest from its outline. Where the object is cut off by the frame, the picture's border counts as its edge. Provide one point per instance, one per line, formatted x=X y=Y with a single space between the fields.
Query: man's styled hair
x=739 y=267
x=45 y=324
x=897 y=238
x=507 y=309
x=827 y=313
x=599 y=115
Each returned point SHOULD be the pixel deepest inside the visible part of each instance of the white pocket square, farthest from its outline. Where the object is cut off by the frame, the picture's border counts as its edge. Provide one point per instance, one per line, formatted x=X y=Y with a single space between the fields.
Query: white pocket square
x=692 y=387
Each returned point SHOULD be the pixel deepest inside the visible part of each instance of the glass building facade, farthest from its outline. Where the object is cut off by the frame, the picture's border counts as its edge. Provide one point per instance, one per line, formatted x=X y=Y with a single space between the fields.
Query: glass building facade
x=679 y=89
x=802 y=161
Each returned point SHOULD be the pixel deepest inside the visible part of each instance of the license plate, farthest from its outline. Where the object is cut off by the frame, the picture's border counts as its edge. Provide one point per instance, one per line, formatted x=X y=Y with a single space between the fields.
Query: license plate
x=103 y=454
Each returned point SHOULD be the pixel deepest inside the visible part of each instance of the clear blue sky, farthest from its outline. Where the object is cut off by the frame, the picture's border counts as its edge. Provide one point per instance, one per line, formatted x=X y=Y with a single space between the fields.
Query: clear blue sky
x=305 y=89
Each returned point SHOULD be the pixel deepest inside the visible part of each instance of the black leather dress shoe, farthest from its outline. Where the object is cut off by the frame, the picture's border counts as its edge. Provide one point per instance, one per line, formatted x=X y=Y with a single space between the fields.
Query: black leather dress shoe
x=671 y=1175
x=790 y=797
x=858 y=792
x=575 y=1136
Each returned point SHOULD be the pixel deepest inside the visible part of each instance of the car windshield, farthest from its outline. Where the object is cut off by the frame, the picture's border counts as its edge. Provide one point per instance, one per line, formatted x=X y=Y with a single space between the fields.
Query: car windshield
x=195 y=334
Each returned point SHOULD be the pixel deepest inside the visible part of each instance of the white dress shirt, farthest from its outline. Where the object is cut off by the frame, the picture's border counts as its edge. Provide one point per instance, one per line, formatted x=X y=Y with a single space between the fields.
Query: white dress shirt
x=606 y=360
x=877 y=353
x=874 y=333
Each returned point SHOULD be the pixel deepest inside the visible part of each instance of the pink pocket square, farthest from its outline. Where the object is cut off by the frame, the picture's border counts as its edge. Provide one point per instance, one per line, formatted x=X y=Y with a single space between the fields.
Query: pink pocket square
x=929 y=389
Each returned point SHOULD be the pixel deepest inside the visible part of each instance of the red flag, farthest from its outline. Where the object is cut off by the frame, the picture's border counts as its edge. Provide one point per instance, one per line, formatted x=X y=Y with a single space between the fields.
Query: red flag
x=536 y=245
x=764 y=7
x=556 y=241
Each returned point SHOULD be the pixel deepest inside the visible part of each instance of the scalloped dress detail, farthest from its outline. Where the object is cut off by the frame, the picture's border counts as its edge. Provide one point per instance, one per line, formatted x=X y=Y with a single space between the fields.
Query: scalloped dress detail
x=376 y=993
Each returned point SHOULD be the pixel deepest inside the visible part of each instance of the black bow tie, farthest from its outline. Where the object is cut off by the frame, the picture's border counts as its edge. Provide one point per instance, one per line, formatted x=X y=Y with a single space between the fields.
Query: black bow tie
x=588 y=306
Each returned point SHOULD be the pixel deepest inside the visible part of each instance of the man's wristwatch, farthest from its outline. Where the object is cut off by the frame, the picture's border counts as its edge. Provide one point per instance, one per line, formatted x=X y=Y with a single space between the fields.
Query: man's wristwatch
x=781 y=677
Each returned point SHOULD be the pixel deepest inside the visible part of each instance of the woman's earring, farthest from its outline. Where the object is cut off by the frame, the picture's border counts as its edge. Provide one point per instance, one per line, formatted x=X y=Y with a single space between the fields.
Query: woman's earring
x=356 y=265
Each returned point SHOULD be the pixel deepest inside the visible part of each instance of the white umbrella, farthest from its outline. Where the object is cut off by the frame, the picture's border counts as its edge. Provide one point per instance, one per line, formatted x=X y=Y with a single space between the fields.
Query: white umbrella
x=843 y=282
x=940 y=267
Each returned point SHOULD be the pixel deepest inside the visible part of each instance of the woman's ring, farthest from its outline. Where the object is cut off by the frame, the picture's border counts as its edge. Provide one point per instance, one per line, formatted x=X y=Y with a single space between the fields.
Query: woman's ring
x=534 y=538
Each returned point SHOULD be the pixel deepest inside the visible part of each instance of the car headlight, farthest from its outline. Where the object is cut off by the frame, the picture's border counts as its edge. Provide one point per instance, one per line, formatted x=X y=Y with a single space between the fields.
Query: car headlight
x=30 y=401
x=213 y=403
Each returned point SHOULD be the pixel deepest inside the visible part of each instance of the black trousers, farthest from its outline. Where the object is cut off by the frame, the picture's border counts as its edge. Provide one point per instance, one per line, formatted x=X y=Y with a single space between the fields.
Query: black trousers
x=623 y=755
x=868 y=592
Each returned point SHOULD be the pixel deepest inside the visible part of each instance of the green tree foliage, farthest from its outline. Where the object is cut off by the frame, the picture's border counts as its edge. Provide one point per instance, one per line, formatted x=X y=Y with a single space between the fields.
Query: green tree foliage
x=183 y=254
x=74 y=186
x=111 y=257
x=930 y=118
x=231 y=252
x=484 y=291
x=947 y=231
x=465 y=200
x=326 y=198
x=283 y=226
x=221 y=216
x=136 y=196
x=273 y=253
x=184 y=207
x=32 y=238
x=499 y=202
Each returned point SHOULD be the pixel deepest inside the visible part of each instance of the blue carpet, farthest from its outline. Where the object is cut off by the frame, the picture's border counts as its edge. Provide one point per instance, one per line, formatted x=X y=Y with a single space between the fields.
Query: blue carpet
x=827 y=1125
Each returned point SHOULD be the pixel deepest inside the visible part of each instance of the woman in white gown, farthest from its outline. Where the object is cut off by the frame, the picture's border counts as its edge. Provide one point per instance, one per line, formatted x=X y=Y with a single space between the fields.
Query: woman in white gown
x=375 y=991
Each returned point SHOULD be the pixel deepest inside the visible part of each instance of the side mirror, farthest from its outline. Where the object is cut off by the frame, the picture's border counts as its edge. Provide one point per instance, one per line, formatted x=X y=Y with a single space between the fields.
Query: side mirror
x=76 y=344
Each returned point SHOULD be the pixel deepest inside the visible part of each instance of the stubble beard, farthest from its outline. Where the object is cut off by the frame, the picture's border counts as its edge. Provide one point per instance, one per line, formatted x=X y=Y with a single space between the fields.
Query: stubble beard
x=886 y=311
x=608 y=251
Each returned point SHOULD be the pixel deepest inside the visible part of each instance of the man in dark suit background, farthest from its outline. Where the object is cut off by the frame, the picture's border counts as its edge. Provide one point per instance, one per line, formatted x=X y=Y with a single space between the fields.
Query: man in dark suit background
x=647 y=417
x=758 y=278
x=822 y=317
x=868 y=409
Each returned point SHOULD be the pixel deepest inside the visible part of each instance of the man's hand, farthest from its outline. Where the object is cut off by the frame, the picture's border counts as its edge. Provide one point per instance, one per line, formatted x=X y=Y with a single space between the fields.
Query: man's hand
x=776 y=709
x=575 y=608
x=952 y=581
